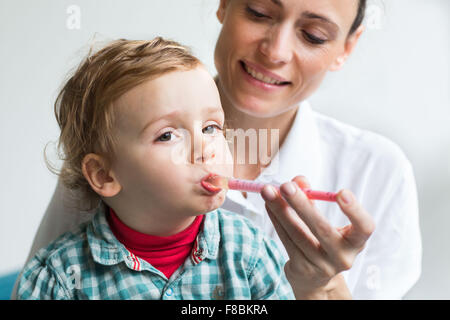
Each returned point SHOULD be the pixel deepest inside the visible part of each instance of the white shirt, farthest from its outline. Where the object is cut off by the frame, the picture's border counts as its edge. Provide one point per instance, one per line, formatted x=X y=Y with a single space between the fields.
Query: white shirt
x=332 y=156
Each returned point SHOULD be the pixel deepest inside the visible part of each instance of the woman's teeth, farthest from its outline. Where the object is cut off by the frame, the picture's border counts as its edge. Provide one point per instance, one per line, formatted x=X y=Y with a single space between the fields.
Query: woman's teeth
x=259 y=76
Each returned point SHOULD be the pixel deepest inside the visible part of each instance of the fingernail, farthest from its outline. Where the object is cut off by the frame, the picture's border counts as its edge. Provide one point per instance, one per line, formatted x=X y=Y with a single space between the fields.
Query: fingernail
x=269 y=194
x=346 y=197
x=289 y=189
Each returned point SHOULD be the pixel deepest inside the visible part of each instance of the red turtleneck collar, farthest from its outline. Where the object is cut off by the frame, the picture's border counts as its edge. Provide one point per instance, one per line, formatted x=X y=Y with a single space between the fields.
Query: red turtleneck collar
x=166 y=254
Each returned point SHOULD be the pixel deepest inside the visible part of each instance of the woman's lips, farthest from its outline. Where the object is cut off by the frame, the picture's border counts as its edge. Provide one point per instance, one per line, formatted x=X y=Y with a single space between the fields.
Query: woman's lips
x=267 y=87
x=254 y=68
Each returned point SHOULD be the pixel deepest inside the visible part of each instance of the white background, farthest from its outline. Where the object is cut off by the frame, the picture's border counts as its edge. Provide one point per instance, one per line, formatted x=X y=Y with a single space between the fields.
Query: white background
x=396 y=83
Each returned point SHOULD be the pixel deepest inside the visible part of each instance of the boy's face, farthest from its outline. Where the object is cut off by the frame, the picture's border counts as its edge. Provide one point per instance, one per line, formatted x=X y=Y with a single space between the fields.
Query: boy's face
x=169 y=138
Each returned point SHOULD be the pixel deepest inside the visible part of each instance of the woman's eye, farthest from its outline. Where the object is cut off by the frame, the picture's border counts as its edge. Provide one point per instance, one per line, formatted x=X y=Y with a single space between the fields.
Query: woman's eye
x=313 y=39
x=165 y=136
x=211 y=129
x=255 y=14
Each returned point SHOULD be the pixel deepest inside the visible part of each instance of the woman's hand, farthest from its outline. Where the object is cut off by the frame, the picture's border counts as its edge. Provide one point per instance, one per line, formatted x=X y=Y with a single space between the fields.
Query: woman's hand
x=317 y=251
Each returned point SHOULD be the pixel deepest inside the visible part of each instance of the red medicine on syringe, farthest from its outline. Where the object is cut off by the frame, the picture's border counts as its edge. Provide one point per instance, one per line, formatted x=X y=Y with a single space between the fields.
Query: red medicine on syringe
x=215 y=183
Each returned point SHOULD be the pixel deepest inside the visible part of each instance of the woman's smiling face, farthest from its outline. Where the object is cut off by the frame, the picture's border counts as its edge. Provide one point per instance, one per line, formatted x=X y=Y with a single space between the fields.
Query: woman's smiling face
x=272 y=54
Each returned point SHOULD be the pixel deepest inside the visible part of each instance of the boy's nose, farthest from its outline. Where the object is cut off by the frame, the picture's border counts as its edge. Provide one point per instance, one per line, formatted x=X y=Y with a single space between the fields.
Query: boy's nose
x=203 y=152
x=197 y=148
x=203 y=148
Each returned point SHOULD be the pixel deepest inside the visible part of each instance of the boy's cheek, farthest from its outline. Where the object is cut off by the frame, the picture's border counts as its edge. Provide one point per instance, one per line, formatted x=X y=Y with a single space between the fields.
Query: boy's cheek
x=219 y=155
x=229 y=164
x=223 y=164
x=227 y=159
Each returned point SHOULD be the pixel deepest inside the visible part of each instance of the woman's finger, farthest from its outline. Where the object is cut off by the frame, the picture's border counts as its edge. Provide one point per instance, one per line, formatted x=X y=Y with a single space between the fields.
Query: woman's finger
x=295 y=234
x=291 y=249
x=362 y=222
x=327 y=235
x=303 y=184
x=298 y=263
x=296 y=256
x=291 y=222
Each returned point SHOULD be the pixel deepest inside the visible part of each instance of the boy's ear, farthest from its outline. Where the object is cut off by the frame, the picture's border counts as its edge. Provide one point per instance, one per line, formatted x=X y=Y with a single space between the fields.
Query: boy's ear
x=101 y=179
x=221 y=10
x=350 y=44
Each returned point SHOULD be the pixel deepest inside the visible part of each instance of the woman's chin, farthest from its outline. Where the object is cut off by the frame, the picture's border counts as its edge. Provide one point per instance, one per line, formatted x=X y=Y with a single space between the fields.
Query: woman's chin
x=258 y=107
x=254 y=107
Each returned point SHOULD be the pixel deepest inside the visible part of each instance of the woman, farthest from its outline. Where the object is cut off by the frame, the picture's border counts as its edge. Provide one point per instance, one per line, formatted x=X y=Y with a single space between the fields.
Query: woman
x=271 y=55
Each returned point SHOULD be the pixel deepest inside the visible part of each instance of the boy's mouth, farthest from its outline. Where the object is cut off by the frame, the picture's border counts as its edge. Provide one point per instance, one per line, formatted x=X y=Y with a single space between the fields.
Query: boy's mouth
x=208 y=186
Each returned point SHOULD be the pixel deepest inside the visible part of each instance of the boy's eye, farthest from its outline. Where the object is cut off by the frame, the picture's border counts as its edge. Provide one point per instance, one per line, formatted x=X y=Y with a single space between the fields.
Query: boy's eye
x=211 y=129
x=165 y=136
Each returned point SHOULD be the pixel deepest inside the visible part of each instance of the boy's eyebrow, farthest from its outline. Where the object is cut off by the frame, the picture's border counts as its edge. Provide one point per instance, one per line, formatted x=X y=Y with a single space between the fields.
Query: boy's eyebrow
x=214 y=110
x=166 y=116
x=176 y=113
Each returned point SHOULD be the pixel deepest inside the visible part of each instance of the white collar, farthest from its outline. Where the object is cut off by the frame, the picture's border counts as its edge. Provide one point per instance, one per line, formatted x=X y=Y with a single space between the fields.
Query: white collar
x=299 y=155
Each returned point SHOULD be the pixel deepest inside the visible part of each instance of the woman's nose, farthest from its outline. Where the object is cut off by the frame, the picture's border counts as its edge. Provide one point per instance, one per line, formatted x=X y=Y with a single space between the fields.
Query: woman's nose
x=276 y=47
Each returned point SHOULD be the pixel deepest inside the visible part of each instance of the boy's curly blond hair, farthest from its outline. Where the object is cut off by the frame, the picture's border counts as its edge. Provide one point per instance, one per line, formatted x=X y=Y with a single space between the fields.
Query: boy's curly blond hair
x=84 y=106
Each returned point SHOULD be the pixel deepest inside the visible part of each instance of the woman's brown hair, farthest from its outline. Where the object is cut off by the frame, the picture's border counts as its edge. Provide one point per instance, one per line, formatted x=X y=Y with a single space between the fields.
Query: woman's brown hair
x=360 y=14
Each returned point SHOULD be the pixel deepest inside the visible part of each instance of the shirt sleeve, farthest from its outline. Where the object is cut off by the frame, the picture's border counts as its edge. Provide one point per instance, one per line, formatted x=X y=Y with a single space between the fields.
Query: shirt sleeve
x=267 y=279
x=391 y=262
x=61 y=216
x=39 y=282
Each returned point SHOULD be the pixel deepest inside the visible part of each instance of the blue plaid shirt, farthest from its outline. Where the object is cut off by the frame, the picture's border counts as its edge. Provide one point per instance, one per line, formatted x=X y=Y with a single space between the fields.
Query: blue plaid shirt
x=231 y=259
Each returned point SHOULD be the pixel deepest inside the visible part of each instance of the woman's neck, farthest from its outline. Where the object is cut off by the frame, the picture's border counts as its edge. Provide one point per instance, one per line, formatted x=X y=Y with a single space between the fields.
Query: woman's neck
x=277 y=128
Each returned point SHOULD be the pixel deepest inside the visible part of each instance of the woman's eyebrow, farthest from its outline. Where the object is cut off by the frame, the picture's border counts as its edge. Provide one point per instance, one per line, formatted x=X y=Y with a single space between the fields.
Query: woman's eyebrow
x=312 y=15
x=278 y=3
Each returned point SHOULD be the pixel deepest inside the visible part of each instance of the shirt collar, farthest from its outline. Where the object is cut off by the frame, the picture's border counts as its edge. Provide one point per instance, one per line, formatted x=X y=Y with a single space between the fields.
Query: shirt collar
x=107 y=250
x=104 y=246
x=300 y=153
x=208 y=239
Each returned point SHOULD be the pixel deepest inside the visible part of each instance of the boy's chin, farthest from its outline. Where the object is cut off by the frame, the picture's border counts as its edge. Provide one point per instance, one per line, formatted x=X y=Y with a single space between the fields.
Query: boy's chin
x=211 y=203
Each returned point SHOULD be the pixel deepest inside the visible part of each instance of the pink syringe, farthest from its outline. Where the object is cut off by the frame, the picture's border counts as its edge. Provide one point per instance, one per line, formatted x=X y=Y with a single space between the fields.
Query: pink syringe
x=215 y=183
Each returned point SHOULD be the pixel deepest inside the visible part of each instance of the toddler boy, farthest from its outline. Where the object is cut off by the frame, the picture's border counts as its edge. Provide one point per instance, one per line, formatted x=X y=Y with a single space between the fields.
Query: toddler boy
x=141 y=128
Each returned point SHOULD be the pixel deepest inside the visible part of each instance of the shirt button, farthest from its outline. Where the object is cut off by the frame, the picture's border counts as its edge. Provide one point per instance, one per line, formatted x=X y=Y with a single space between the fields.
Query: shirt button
x=169 y=292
